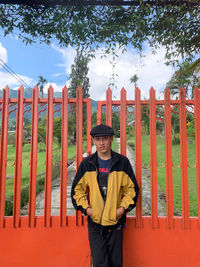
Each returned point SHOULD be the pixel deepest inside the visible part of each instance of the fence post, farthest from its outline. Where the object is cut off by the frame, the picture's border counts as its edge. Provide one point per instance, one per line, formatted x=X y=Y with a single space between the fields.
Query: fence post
x=138 y=156
x=197 y=144
x=109 y=107
x=168 y=160
x=99 y=113
x=4 y=143
x=18 y=157
x=123 y=122
x=33 y=157
x=63 y=165
x=184 y=160
x=153 y=159
x=79 y=139
x=48 y=169
x=89 y=114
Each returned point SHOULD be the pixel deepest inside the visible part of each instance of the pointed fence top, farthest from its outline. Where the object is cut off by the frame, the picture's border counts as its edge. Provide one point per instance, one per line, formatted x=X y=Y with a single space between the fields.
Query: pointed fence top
x=65 y=88
x=182 y=92
x=35 y=88
x=21 y=88
x=50 y=88
x=79 y=88
x=123 y=92
x=167 y=90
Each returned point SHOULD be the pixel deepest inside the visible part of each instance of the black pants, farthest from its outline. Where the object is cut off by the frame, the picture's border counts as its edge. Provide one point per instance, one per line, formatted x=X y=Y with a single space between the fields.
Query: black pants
x=106 y=246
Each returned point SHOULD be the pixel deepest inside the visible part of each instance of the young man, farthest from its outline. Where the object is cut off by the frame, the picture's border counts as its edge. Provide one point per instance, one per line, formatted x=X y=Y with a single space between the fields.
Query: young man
x=105 y=188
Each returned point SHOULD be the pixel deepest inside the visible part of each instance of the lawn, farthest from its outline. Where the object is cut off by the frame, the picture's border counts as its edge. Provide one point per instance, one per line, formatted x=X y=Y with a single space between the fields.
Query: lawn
x=177 y=196
x=41 y=157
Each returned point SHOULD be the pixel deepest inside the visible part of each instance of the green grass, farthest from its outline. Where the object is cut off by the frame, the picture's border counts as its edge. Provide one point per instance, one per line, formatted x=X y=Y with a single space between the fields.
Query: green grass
x=25 y=165
x=41 y=157
x=161 y=176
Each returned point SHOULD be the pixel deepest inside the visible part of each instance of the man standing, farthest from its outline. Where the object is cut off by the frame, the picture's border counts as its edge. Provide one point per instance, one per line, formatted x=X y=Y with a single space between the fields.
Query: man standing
x=105 y=188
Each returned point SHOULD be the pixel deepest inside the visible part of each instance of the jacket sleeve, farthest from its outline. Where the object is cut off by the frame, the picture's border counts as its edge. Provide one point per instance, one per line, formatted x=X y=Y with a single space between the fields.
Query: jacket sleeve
x=79 y=190
x=130 y=189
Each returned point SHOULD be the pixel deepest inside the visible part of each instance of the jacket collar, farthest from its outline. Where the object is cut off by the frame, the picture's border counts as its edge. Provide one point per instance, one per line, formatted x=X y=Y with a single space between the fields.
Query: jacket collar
x=114 y=157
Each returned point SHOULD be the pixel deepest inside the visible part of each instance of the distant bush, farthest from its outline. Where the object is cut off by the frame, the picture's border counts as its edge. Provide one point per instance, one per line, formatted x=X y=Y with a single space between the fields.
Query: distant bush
x=131 y=143
x=41 y=147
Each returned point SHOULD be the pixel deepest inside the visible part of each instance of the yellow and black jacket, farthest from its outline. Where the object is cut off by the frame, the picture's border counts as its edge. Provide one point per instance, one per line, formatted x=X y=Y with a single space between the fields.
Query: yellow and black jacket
x=122 y=189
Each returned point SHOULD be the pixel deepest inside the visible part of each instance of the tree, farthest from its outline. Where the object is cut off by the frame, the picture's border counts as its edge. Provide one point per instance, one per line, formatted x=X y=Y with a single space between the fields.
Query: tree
x=41 y=83
x=78 y=76
x=187 y=76
x=172 y=24
x=134 y=80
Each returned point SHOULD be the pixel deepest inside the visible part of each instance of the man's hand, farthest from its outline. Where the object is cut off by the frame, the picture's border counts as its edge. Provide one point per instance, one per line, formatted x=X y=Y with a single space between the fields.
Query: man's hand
x=89 y=212
x=120 y=212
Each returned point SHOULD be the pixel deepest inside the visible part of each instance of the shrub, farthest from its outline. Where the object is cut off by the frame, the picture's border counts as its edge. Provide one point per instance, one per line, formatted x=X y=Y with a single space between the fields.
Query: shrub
x=131 y=143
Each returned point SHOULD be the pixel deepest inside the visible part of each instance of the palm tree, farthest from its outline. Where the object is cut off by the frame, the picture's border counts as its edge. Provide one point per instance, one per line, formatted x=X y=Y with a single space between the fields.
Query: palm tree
x=134 y=80
x=41 y=83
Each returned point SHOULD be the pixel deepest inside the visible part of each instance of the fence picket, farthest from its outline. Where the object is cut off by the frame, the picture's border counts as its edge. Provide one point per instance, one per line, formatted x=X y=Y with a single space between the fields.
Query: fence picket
x=79 y=140
x=197 y=144
x=63 y=165
x=168 y=160
x=123 y=122
x=99 y=113
x=33 y=157
x=184 y=160
x=153 y=159
x=138 y=156
x=89 y=123
x=3 y=161
x=109 y=107
x=48 y=170
x=18 y=158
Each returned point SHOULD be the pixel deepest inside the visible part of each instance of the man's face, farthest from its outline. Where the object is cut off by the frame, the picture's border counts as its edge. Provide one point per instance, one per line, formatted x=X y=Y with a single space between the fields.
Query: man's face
x=103 y=143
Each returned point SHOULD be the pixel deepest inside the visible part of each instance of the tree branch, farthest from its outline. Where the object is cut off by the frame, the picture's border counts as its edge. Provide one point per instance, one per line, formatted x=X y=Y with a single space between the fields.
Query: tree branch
x=162 y=3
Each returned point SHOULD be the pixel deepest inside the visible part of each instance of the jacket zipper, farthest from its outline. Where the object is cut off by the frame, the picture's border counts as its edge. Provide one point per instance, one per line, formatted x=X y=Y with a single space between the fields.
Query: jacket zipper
x=107 y=187
x=106 y=193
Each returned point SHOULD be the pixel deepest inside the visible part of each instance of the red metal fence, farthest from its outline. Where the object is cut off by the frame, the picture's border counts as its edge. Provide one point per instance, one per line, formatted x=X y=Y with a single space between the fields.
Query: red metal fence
x=62 y=240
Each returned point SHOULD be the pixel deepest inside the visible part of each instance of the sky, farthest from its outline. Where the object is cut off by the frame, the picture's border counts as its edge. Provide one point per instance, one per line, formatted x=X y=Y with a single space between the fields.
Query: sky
x=54 y=64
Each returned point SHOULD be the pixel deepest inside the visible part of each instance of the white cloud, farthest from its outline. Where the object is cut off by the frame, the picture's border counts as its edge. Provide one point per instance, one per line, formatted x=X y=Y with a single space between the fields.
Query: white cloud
x=3 y=55
x=7 y=79
x=150 y=69
x=56 y=88
x=57 y=74
x=68 y=55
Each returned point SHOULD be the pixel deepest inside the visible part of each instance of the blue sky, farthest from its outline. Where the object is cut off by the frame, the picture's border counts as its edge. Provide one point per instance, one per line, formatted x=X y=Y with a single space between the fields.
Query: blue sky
x=54 y=64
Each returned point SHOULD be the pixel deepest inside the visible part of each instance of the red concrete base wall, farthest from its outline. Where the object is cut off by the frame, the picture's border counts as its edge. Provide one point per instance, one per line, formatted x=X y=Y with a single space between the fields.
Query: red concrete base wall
x=44 y=247
x=162 y=246
x=68 y=246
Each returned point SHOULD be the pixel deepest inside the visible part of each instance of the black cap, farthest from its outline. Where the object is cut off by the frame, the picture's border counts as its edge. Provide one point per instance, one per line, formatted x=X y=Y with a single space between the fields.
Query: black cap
x=102 y=130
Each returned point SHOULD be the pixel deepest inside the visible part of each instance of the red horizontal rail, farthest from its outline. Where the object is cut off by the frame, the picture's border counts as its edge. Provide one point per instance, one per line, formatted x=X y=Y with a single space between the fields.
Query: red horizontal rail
x=103 y=102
